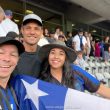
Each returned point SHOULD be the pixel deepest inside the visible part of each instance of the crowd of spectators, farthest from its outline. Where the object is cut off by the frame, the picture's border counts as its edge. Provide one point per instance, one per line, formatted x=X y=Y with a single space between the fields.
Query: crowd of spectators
x=57 y=47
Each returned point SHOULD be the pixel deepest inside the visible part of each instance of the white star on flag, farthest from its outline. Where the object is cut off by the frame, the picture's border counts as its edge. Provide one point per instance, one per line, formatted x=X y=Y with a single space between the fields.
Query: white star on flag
x=33 y=92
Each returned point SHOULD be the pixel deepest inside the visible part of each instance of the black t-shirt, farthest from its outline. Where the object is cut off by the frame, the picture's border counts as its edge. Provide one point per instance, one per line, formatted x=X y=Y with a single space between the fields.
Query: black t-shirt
x=28 y=64
x=81 y=82
x=106 y=46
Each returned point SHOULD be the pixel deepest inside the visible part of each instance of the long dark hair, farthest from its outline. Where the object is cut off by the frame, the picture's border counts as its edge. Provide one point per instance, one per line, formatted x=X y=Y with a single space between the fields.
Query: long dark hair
x=68 y=75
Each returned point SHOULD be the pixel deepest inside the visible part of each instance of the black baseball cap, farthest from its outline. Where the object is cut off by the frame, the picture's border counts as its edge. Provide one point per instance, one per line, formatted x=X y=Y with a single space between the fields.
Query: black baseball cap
x=10 y=40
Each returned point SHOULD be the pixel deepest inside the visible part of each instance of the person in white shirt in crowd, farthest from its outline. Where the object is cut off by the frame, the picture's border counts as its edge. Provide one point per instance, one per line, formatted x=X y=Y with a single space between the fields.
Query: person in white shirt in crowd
x=57 y=32
x=80 y=60
x=7 y=24
x=43 y=40
x=79 y=41
x=88 y=48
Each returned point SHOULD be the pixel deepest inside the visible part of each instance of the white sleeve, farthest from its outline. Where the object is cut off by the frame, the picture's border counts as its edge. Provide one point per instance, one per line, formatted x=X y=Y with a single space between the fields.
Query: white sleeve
x=84 y=41
x=74 y=39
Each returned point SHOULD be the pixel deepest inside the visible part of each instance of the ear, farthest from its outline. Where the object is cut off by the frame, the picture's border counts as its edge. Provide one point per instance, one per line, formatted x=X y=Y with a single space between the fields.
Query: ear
x=21 y=29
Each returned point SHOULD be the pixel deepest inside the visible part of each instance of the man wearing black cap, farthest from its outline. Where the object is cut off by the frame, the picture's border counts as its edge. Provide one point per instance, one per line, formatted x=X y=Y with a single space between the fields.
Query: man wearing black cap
x=29 y=62
x=10 y=50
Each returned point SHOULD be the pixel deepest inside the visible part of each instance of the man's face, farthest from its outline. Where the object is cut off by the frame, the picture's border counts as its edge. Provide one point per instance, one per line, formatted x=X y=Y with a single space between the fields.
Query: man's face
x=31 y=33
x=8 y=60
x=80 y=33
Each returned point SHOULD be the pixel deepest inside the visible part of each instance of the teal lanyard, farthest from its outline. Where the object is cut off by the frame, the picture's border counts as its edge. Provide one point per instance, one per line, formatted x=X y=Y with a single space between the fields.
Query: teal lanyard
x=5 y=99
x=13 y=99
x=1 y=103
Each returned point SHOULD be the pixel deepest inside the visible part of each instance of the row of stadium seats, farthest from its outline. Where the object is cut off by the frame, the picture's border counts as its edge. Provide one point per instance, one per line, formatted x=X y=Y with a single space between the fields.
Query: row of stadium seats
x=99 y=69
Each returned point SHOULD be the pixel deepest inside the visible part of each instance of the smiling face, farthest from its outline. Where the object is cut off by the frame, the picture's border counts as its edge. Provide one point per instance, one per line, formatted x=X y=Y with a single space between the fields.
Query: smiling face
x=31 y=33
x=57 y=58
x=8 y=60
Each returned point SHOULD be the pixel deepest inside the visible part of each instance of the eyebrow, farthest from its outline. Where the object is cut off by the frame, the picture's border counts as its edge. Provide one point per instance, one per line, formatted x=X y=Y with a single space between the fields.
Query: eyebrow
x=14 y=51
x=60 y=50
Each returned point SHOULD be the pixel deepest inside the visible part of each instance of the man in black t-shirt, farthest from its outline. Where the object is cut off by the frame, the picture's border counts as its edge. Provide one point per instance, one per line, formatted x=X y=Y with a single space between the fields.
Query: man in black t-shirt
x=31 y=30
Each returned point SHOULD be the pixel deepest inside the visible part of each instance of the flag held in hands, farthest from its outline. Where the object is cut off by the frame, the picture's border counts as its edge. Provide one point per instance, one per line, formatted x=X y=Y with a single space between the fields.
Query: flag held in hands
x=34 y=94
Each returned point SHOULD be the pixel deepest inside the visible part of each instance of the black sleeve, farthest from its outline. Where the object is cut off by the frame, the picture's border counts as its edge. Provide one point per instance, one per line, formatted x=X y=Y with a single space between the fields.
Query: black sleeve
x=89 y=84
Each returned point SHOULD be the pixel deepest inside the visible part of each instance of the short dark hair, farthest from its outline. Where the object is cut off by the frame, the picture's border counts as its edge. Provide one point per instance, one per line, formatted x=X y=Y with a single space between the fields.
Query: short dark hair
x=32 y=20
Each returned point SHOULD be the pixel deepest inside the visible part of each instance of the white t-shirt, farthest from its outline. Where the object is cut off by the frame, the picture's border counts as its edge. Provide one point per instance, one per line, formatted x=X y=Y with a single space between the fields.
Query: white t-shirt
x=43 y=41
x=76 y=39
x=81 y=62
x=8 y=25
x=56 y=36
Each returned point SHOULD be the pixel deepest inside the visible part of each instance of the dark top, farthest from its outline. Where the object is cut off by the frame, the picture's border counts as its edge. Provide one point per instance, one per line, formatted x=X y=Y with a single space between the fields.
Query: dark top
x=81 y=82
x=50 y=40
x=29 y=64
x=106 y=46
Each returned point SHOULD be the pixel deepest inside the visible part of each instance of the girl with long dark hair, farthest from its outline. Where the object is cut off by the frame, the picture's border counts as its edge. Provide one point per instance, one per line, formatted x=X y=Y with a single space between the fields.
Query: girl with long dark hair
x=56 y=68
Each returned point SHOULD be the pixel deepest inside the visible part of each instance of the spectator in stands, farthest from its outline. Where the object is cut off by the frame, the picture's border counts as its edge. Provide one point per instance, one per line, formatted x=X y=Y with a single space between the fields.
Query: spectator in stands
x=106 y=48
x=57 y=32
x=92 y=52
x=31 y=30
x=56 y=69
x=79 y=41
x=45 y=32
x=106 y=39
x=10 y=50
x=51 y=36
x=80 y=60
x=69 y=35
x=107 y=52
x=7 y=24
x=88 y=45
x=62 y=34
x=43 y=40
x=13 y=35
x=61 y=38
x=69 y=39
x=101 y=48
x=97 y=48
